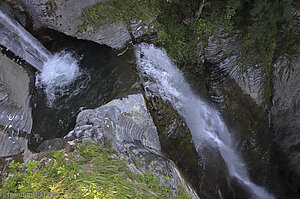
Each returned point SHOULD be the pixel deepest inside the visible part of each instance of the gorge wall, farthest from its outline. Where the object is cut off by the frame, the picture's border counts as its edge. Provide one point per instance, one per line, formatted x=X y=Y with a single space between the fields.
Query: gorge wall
x=15 y=110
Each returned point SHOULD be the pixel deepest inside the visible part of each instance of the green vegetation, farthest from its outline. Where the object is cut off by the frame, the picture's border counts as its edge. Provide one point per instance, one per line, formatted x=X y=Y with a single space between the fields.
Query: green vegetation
x=264 y=27
x=173 y=28
x=52 y=4
x=261 y=23
x=91 y=172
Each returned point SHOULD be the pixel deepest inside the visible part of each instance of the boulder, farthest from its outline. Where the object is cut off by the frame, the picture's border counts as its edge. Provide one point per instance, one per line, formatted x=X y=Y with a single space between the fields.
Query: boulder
x=54 y=144
x=65 y=16
x=11 y=145
x=127 y=125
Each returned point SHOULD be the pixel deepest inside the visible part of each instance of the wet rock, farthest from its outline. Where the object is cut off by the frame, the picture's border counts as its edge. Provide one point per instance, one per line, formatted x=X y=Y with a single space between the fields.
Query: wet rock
x=285 y=116
x=127 y=125
x=247 y=123
x=250 y=126
x=207 y=175
x=15 y=111
x=65 y=16
x=224 y=51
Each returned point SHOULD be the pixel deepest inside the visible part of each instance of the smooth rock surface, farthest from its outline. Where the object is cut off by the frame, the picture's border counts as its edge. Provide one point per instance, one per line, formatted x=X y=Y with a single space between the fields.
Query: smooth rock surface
x=11 y=145
x=128 y=125
x=15 y=111
x=224 y=51
x=121 y=119
x=65 y=16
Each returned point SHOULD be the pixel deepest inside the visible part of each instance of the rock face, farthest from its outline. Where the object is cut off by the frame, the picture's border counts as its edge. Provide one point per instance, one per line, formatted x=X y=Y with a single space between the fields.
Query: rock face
x=128 y=125
x=11 y=145
x=224 y=51
x=286 y=116
x=177 y=142
x=15 y=112
x=65 y=16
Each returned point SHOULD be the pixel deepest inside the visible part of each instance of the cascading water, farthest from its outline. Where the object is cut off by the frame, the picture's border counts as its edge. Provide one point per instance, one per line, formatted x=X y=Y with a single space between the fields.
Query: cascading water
x=164 y=79
x=81 y=74
x=22 y=43
x=56 y=71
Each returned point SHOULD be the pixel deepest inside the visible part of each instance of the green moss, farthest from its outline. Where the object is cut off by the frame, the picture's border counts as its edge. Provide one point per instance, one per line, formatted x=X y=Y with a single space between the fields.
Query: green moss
x=180 y=40
x=52 y=4
x=184 y=37
x=91 y=173
x=118 y=10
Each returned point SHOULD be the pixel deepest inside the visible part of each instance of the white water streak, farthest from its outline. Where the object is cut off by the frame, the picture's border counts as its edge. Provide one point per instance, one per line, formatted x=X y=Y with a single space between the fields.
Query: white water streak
x=164 y=79
x=21 y=42
x=56 y=71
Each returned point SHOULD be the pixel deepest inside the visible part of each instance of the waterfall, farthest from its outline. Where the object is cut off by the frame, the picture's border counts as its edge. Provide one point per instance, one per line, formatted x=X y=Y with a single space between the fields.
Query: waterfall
x=22 y=43
x=160 y=76
x=55 y=71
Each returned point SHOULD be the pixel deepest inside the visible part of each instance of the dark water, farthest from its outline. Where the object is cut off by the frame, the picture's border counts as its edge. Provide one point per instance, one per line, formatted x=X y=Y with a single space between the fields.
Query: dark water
x=105 y=76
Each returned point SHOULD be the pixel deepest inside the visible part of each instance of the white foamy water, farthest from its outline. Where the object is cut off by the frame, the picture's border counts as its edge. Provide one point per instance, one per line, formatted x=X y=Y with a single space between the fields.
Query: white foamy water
x=57 y=74
x=164 y=79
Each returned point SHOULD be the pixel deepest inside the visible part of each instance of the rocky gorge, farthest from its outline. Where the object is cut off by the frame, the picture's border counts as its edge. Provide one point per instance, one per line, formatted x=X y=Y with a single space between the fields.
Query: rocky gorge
x=148 y=128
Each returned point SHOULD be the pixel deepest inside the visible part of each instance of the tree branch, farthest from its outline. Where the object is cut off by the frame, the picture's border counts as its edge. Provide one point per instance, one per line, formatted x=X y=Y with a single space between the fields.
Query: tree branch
x=199 y=11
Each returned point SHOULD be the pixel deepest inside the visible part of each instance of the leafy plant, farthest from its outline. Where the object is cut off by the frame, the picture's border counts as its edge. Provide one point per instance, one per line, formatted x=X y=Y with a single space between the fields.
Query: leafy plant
x=91 y=173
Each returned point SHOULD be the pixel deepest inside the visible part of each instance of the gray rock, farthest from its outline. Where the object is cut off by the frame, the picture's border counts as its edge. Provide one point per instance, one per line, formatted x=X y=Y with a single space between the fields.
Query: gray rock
x=53 y=145
x=224 y=51
x=158 y=165
x=3 y=94
x=121 y=119
x=128 y=125
x=65 y=16
x=11 y=144
x=15 y=111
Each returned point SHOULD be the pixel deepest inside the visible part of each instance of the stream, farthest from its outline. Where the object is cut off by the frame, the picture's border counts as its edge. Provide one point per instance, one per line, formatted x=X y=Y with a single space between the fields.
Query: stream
x=73 y=75
x=162 y=78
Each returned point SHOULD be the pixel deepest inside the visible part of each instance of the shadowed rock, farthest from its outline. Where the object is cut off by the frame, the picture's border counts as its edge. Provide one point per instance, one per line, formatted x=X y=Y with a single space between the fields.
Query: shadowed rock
x=286 y=116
